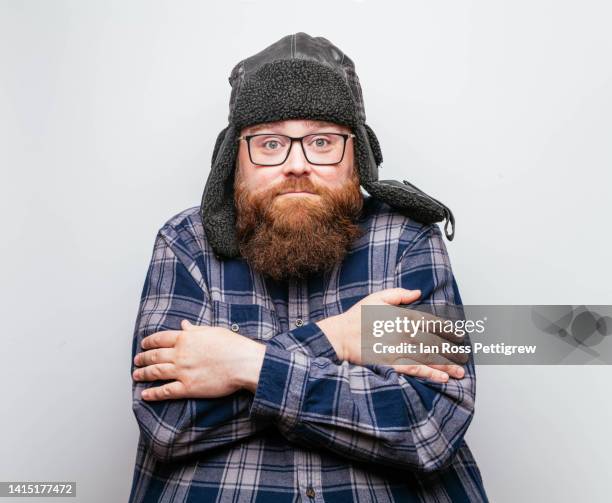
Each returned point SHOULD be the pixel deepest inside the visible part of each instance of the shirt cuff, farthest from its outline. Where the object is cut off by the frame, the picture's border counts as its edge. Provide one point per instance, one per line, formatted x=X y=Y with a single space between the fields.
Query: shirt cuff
x=309 y=339
x=282 y=386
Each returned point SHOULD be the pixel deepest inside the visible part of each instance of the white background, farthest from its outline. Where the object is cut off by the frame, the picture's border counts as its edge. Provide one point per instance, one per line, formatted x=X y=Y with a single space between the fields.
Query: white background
x=108 y=114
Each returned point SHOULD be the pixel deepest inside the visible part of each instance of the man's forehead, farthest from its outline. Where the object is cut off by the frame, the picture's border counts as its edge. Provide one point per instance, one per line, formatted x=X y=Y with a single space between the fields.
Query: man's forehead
x=311 y=124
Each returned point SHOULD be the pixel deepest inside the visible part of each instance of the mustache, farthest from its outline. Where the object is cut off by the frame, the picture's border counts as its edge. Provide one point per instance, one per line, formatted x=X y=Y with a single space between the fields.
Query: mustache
x=297 y=185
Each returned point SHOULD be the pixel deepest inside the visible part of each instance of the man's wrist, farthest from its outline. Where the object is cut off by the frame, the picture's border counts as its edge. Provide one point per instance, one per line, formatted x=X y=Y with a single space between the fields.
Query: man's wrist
x=246 y=373
x=330 y=327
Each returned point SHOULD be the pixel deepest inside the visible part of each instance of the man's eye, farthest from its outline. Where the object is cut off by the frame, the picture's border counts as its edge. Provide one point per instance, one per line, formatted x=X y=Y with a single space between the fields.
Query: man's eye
x=320 y=142
x=272 y=145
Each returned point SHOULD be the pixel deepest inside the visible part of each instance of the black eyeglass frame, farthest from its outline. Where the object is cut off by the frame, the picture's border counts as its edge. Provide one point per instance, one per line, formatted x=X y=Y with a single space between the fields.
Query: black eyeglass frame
x=345 y=137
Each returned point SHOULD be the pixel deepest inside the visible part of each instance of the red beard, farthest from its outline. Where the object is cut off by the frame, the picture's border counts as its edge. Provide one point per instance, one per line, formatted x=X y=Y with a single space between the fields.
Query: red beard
x=294 y=236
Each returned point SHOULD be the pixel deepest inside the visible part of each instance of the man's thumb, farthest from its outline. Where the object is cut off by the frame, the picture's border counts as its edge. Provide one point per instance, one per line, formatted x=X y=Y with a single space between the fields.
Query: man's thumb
x=396 y=296
x=186 y=325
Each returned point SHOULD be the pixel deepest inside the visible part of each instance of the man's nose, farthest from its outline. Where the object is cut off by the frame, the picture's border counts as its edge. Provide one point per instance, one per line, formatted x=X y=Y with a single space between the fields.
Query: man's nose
x=296 y=162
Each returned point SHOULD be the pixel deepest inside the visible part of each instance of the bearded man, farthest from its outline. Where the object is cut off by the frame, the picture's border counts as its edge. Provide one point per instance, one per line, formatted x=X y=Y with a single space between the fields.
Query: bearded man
x=248 y=383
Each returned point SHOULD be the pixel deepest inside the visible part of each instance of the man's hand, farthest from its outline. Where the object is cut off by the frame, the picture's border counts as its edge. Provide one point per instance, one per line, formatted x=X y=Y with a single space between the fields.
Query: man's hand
x=344 y=333
x=205 y=361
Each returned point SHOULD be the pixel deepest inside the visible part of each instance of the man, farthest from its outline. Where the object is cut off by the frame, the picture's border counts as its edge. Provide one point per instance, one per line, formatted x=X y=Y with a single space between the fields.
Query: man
x=248 y=380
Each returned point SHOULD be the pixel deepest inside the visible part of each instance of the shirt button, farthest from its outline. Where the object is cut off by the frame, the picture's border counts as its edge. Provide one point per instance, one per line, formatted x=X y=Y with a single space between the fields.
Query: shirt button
x=235 y=327
x=310 y=492
x=299 y=322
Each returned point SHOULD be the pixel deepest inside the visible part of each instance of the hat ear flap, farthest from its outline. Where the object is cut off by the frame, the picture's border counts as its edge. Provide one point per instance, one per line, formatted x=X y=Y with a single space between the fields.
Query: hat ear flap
x=218 y=142
x=217 y=206
x=374 y=145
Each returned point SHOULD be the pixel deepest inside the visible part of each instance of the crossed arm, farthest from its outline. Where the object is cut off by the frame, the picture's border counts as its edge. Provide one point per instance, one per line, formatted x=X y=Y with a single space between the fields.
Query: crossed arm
x=363 y=412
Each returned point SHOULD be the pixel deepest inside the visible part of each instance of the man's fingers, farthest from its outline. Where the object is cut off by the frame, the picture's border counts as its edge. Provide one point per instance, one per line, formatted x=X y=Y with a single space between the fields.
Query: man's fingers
x=175 y=389
x=152 y=356
x=452 y=370
x=158 y=372
x=422 y=371
x=166 y=339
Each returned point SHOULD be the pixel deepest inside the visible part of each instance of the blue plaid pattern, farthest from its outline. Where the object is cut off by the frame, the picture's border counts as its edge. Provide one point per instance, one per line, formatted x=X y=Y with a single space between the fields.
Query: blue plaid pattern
x=317 y=429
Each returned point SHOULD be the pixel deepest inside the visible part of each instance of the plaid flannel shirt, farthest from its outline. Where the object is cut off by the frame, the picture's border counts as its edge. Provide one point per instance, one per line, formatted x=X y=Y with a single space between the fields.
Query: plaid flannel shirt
x=317 y=429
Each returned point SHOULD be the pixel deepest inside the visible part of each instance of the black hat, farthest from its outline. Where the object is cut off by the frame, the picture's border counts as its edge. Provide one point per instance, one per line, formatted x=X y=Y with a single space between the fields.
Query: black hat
x=301 y=77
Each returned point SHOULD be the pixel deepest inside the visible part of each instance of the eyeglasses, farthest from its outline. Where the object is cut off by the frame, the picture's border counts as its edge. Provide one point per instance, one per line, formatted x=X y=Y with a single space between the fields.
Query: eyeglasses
x=271 y=149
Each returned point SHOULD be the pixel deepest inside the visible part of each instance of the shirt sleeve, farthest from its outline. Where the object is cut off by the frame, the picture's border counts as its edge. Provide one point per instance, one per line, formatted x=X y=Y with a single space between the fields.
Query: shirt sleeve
x=307 y=339
x=174 y=290
x=372 y=413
